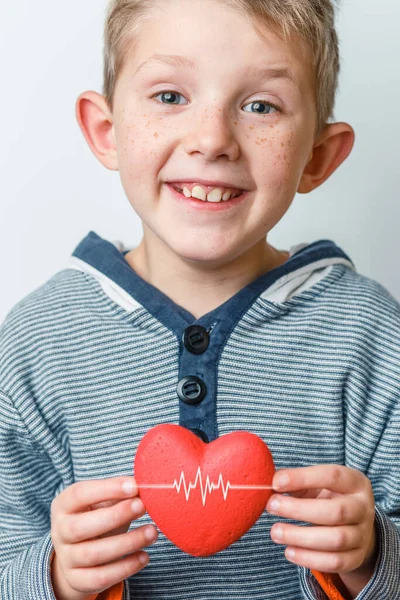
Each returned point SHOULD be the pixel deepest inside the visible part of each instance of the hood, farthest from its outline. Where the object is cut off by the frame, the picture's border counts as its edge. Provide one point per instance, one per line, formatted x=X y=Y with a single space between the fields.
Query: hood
x=105 y=262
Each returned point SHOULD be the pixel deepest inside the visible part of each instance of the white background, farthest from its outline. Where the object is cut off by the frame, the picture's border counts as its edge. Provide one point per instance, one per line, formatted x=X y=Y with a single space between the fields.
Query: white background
x=53 y=191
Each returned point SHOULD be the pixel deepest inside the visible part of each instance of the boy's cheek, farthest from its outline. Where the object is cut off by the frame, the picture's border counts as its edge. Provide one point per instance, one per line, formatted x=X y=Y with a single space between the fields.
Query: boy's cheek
x=274 y=156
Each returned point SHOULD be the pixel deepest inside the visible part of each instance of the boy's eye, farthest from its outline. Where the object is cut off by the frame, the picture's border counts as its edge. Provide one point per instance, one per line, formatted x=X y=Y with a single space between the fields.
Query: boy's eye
x=170 y=96
x=270 y=108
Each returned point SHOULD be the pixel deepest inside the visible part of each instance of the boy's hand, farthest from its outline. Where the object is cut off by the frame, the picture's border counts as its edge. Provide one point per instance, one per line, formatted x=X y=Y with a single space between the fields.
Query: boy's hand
x=340 y=502
x=89 y=524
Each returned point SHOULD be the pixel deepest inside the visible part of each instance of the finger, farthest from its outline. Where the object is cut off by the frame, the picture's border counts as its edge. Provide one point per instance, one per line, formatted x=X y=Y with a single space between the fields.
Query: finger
x=326 y=562
x=310 y=493
x=341 y=510
x=325 y=539
x=79 y=496
x=336 y=478
x=102 y=504
x=107 y=550
x=85 y=526
x=95 y=580
x=123 y=528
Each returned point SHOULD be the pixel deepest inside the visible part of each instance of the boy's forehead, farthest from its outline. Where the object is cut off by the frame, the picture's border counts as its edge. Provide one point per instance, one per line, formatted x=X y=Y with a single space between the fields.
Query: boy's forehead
x=242 y=47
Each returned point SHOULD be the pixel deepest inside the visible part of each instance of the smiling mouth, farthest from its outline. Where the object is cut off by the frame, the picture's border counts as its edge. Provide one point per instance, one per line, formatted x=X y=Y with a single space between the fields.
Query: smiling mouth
x=210 y=205
x=216 y=194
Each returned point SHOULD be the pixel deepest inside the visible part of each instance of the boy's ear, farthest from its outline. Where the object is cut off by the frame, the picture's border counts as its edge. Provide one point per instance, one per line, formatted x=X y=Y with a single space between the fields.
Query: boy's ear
x=96 y=123
x=330 y=149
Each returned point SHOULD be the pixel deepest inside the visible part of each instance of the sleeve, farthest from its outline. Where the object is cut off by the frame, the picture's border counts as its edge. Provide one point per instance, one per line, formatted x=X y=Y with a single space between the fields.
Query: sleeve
x=371 y=405
x=385 y=581
x=28 y=485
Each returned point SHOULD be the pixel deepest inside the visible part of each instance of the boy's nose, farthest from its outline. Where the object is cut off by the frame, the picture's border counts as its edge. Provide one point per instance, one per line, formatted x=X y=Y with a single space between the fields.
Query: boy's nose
x=213 y=137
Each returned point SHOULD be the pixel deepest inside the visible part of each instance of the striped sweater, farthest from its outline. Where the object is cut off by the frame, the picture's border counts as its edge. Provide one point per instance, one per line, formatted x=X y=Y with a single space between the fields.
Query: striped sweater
x=307 y=357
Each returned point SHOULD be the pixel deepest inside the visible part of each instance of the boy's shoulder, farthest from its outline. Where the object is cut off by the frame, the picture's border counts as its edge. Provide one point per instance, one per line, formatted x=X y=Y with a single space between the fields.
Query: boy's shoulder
x=364 y=308
x=367 y=293
x=52 y=305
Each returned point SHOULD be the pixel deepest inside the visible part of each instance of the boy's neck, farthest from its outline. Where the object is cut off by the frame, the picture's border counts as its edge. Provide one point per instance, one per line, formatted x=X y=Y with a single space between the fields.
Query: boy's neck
x=201 y=290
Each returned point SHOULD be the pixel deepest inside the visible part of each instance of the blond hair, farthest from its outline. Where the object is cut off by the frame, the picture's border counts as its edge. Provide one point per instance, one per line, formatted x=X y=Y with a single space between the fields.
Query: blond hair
x=312 y=20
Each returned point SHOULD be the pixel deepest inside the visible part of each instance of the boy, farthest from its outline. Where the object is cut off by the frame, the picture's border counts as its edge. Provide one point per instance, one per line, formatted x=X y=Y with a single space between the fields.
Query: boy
x=294 y=345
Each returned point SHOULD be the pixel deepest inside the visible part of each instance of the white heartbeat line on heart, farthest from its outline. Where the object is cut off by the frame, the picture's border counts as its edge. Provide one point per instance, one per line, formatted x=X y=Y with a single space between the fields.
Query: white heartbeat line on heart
x=206 y=488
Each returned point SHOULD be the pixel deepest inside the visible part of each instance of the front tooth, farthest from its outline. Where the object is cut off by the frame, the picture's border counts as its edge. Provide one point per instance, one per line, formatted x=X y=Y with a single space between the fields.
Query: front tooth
x=227 y=196
x=199 y=193
x=215 y=195
x=187 y=192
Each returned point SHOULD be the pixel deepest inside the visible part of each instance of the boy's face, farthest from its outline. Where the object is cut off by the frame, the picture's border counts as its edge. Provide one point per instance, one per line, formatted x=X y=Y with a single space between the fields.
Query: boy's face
x=212 y=127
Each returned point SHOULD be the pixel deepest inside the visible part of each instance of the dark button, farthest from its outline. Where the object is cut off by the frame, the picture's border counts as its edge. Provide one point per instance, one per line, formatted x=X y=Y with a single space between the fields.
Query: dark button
x=200 y=434
x=196 y=339
x=191 y=390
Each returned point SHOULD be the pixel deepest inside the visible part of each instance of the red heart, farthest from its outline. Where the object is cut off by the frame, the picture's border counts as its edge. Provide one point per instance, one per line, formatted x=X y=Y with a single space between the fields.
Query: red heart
x=198 y=519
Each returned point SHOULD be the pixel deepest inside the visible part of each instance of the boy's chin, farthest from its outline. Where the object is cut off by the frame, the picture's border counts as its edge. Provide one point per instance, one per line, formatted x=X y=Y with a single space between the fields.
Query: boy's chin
x=207 y=257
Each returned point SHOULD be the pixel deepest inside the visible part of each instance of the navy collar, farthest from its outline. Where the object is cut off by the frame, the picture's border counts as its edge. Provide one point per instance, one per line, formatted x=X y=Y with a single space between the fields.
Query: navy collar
x=106 y=258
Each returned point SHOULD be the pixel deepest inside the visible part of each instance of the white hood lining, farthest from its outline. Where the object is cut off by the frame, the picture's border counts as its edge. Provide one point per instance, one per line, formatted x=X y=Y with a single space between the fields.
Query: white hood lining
x=282 y=290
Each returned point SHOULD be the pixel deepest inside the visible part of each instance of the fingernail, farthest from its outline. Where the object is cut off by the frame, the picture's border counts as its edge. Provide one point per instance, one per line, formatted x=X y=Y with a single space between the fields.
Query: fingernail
x=274 y=505
x=150 y=534
x=290 y=553
x=143 y=558
x=281 y=481
x=129 y=486
x=137 y=506
x=277 y=533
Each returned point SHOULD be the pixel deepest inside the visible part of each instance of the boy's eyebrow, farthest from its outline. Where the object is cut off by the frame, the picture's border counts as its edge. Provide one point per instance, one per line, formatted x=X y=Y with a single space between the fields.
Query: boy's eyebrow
x=183 y=61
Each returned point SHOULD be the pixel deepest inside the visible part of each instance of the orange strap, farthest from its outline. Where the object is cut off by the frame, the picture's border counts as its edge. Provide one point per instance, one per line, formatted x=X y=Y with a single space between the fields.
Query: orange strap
x=325 y=581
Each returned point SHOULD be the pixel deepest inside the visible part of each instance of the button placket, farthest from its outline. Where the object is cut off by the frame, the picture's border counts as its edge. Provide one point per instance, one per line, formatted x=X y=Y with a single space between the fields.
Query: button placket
x=191 y=389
